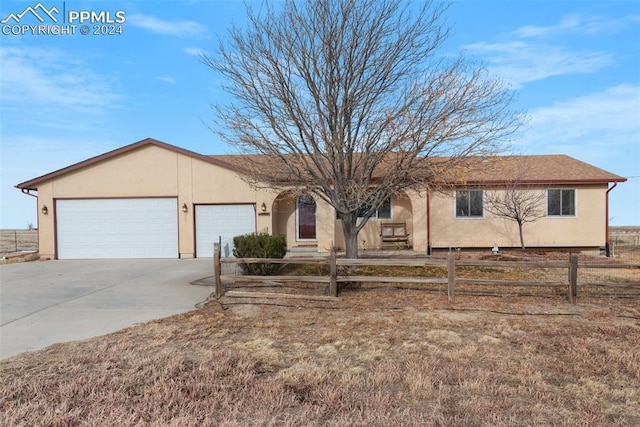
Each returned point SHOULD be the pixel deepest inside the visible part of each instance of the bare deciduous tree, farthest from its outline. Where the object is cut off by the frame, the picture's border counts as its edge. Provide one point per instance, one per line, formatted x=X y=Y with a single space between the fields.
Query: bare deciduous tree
x=517 y=202
x=349 y=99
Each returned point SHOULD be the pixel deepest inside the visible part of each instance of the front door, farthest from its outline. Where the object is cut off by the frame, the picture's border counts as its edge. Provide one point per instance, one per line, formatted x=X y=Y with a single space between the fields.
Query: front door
x=306 y=218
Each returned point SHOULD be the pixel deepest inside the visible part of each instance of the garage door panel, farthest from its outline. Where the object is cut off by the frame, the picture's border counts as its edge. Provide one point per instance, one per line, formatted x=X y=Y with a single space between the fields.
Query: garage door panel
x=224 y=222
x=117 y=228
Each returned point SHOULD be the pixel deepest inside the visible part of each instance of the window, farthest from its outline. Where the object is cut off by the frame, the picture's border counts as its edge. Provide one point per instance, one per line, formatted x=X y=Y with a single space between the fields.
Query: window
x=383 y=212
x=469 y=204
x=561 y=202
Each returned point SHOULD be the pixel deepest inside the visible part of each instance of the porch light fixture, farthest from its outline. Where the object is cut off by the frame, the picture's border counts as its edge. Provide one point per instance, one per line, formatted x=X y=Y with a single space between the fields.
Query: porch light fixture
x=185 y=208
x=45 y=210
x=263 y=207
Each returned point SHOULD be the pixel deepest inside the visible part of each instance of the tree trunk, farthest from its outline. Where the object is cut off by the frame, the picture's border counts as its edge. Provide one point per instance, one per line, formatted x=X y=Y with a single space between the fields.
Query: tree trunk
x=521 y=236
x=350 y=235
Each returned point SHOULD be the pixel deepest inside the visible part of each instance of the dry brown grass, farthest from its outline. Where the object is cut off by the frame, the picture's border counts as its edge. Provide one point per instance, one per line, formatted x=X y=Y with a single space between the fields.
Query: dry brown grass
x=18 y=240
x=14 y=243
x=379 y=357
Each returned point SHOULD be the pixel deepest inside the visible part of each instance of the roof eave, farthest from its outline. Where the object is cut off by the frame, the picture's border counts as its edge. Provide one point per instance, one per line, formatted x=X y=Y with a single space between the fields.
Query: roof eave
x=548 y=181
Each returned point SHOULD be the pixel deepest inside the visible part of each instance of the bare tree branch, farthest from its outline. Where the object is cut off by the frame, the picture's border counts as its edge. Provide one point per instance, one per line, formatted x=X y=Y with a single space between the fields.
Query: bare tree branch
x=350 y=99
x=517 y=202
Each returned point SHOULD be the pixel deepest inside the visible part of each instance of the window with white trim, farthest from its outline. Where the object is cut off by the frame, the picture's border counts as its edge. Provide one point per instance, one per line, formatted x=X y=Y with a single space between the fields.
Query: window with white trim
x=469 y=203
x=561 y=202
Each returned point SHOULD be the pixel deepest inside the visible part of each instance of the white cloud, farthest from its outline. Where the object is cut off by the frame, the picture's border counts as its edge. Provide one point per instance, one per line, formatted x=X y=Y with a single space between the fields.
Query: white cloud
x=533 y=52
x=520 y=62
x=578 y=24
x=44 y=83
x=170 y=28
x=597 y=125
x=568 y=23
x=166 y=79
x=193 y=51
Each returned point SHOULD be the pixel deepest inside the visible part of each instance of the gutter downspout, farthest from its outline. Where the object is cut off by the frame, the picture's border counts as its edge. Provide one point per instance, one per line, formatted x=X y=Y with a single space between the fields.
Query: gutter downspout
x=607 y=249
x=428 y=222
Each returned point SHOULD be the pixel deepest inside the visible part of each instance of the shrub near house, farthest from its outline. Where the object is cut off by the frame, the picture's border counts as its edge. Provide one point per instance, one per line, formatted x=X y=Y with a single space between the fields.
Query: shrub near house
x=260 y=245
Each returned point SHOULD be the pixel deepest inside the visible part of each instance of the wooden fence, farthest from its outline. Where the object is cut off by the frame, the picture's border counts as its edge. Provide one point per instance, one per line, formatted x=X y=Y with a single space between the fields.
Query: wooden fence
x=450 y=263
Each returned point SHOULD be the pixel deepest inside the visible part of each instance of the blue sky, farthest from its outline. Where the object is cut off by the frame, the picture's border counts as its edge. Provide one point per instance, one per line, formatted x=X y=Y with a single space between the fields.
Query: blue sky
x=64 y=98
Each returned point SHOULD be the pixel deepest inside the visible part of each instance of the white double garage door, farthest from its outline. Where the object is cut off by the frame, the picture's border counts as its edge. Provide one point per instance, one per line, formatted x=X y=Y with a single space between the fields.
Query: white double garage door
x=144 y=227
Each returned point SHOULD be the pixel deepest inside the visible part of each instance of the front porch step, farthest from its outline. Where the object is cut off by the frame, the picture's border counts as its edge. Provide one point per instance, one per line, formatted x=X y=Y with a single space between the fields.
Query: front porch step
x=303 y=251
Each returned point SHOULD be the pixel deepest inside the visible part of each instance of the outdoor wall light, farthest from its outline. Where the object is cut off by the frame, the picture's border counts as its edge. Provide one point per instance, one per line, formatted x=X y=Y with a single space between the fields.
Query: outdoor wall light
x=185 y=208
x=45 y=210
x=263 y=207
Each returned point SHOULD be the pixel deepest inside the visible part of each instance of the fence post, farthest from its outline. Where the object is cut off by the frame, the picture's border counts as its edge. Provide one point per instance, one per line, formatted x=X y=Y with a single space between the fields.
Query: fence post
x=451 y=275
x=216 y=270
x=573 y=278
x=333 y=275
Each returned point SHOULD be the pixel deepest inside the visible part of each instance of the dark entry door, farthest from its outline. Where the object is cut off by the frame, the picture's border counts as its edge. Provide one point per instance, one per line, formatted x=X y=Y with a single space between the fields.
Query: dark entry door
x=306 y=218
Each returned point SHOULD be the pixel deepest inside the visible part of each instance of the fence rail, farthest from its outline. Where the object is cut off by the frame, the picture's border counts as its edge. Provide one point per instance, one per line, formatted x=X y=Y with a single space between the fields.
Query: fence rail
x=450 y=263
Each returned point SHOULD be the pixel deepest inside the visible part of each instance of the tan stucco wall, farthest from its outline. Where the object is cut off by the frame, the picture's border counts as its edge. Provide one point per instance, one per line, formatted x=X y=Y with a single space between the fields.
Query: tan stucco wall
x=586 y=228
x=409 y=207
x=46 y=240
x=149 y=171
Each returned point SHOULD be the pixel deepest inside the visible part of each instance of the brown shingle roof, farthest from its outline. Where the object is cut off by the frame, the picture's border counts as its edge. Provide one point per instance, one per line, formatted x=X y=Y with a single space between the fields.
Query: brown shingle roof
x=533 y=169
x=551 y=168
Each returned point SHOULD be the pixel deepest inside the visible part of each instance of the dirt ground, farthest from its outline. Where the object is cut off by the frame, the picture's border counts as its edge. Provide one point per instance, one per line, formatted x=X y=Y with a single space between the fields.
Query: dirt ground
x=378 y=356
x=381 y=355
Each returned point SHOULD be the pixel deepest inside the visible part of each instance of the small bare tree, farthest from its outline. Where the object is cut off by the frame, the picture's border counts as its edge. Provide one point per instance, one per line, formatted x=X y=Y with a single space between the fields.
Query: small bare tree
x=349 y=99
x=517 y=202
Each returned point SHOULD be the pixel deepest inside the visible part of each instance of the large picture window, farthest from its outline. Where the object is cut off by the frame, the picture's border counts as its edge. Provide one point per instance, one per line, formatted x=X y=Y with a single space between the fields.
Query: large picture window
x=561 y=202
x=468 y=203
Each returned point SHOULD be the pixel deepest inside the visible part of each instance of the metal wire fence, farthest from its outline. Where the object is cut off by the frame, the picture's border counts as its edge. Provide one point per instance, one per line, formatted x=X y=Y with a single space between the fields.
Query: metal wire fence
x=18 y=241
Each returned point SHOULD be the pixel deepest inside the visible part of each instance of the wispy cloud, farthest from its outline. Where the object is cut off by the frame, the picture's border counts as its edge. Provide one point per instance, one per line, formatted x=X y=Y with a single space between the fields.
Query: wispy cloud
x=578 y=24
x=532 y=52
x=166 y=79
x=591 y=127
x=184 y=28
x=193 y=51
x=520 y=62
x=46 y=82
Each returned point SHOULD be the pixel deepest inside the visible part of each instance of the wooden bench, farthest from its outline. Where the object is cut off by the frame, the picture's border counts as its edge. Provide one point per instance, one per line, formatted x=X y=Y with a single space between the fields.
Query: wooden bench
x=394 y=234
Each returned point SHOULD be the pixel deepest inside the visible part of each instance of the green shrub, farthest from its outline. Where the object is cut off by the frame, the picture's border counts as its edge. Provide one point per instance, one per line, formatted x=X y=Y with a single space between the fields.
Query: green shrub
x=260 y=245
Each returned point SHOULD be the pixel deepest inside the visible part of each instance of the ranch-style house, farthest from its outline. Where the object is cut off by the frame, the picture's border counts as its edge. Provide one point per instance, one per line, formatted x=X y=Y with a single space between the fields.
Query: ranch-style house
x=151 y=199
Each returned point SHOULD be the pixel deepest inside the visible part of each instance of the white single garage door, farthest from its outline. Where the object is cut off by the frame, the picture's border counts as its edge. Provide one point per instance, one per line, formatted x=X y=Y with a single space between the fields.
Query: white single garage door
x=223 y=222
x=117 y=228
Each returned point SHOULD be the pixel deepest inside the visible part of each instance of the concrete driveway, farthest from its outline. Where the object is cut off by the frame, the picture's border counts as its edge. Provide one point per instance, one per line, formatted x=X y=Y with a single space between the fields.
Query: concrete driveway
x=42 y=303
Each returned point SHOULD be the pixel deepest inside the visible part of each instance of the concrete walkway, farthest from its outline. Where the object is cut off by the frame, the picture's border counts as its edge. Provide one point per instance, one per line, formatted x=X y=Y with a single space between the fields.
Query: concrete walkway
x=42 y=303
